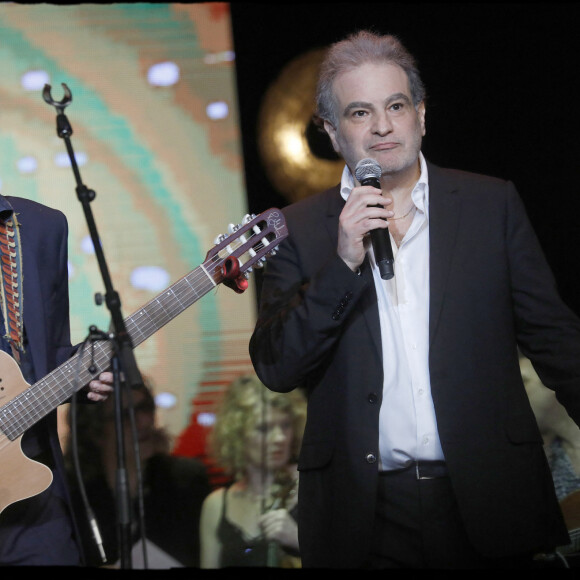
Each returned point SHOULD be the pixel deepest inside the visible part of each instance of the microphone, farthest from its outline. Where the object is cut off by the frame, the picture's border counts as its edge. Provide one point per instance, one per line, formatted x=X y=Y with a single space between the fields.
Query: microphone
x=368 y=172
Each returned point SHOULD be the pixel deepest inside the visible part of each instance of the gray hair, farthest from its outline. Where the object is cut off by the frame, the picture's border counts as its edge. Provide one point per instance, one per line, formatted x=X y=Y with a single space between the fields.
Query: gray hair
x=355 y=50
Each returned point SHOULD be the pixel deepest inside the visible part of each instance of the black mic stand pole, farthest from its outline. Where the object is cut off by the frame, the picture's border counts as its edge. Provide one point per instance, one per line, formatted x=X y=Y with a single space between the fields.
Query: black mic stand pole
x=122 y=358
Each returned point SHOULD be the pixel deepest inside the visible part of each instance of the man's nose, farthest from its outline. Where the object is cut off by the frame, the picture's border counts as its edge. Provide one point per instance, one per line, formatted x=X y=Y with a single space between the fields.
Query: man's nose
x=382 y=123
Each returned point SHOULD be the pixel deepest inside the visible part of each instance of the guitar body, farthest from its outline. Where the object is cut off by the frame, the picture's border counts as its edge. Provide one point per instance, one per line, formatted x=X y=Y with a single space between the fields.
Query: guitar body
x=20 y=477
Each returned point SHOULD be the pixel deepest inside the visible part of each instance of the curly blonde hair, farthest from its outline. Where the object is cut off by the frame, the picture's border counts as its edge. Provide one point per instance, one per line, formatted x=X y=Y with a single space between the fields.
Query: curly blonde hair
x=237 y=415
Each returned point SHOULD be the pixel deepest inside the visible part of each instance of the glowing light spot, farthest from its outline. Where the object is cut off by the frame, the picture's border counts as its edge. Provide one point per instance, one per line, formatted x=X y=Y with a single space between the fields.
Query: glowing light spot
x=151 y=278
x=165 y=400
x=217 y=57
x=206 y=419
x=163 y=74
x=217 y=110
x=34 y=80
x=292 y=143
x=87 y=245
x=63 y=160
x=27 y=164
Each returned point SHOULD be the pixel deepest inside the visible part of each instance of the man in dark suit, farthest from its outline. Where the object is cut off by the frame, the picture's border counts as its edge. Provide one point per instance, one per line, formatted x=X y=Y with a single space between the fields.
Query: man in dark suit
x=39 y=530
x=420 y=449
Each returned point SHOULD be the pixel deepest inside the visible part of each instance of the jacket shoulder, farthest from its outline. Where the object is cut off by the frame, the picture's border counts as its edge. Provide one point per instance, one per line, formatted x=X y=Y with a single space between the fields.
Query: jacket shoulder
x=463 y=179
x=30 y=208
x=328 y=201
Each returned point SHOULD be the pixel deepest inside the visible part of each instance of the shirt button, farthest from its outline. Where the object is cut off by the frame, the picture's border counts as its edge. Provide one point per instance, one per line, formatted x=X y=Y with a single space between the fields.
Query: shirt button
x=425 y=440
x=371 y=458
x=372 y=398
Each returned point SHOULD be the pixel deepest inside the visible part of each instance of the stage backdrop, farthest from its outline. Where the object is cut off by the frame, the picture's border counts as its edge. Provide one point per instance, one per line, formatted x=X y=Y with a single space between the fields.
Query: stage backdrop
x=155 y=120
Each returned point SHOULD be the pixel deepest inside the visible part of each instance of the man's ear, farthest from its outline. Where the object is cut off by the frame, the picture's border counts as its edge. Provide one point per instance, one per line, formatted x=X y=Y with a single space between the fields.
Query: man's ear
x=329 y=128
x=421 y=113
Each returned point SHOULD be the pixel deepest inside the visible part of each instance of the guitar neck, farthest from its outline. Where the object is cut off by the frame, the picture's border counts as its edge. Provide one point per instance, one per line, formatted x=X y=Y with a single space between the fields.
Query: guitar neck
x=168 y=305
x=246 y=246
x=58 y=386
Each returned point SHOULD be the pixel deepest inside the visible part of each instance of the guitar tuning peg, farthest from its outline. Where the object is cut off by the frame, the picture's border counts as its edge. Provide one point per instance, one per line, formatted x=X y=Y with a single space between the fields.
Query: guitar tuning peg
x=232 y=228
x=248 y=218
x=219 y=238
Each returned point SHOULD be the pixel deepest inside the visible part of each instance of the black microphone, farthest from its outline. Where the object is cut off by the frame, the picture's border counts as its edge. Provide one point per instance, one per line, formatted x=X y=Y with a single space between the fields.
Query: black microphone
x=368 y=172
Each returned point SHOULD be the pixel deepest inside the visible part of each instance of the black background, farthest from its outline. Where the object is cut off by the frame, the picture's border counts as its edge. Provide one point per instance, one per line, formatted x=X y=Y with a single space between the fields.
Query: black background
x=502 y=85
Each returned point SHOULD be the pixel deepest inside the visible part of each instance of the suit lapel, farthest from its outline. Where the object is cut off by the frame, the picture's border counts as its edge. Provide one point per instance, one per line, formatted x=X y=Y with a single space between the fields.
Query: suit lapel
x=34 y=317
x=444 y=214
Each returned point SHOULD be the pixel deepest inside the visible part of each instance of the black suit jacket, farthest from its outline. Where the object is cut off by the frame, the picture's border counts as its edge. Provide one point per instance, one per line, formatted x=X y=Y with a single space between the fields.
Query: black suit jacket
x=490 y=291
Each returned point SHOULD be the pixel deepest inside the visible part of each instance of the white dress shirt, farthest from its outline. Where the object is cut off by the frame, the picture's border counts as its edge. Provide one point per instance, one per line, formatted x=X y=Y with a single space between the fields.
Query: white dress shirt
x=407 y=424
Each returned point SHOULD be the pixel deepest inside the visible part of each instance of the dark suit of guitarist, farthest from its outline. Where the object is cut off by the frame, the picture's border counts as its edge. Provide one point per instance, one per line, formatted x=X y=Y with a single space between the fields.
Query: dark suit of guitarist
x=40 y=530
x=490 y=290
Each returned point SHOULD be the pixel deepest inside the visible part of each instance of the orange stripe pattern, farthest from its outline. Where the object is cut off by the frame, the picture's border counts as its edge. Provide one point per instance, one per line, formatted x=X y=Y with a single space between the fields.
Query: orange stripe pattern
x=11 y=287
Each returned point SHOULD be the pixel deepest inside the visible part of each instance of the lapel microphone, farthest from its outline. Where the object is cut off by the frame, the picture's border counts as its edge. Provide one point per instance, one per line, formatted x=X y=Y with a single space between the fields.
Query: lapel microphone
x=368 y=172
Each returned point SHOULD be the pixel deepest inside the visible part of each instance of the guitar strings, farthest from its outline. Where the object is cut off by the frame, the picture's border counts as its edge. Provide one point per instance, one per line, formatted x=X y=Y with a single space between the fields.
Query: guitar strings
x=19 y=408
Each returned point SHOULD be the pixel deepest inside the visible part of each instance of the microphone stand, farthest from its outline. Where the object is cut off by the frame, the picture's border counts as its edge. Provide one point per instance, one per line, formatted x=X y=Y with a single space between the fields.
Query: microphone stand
x=122 y=357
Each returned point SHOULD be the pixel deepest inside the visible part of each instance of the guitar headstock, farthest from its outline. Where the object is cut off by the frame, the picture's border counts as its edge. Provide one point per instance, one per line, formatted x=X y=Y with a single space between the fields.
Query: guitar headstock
x=244 y=247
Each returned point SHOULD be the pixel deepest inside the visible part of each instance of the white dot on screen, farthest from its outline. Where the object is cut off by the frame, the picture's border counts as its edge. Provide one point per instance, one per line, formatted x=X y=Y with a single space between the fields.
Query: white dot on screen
x=163 y=74
x=217 y=110
x=165 y=400
x=217 y=57
x=34 y=80
x=27 y=164
x=149 y=278
x=63 y=159
x=206 y=419
x=87 y=245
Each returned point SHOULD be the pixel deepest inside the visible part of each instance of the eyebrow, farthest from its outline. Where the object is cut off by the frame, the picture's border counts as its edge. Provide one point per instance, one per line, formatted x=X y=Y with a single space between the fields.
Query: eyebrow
x=365 y=105
x=398 y=97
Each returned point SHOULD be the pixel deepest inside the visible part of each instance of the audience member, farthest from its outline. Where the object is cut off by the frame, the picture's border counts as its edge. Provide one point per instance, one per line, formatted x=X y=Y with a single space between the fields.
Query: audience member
x=173 y=487
x=562 y=445
x=256 y=439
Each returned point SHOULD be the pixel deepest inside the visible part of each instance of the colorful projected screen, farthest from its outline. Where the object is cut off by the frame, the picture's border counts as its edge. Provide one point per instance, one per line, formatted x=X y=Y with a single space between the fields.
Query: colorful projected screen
x=155 y=135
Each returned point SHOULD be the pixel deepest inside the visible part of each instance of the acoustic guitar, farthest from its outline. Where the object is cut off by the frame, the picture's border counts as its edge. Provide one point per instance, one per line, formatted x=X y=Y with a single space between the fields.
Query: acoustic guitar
x=235 y=254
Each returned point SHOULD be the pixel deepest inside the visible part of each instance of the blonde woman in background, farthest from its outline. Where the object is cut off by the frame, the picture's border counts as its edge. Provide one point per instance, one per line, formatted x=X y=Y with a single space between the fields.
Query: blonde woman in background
x=256 y=439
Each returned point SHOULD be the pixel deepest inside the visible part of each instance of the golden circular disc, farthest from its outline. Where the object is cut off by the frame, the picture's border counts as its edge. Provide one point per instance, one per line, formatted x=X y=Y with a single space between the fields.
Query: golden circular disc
x=285 y=115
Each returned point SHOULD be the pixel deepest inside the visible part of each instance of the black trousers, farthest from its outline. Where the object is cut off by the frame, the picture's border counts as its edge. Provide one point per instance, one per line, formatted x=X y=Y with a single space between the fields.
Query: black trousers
x=417 y=525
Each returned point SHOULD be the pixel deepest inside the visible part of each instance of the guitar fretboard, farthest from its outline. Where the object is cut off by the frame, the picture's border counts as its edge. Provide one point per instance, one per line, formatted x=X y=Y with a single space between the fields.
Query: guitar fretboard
x=57 y=387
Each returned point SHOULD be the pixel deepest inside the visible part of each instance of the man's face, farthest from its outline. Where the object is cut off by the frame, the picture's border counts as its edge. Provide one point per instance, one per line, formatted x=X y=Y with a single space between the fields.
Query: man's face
x=377 y=119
